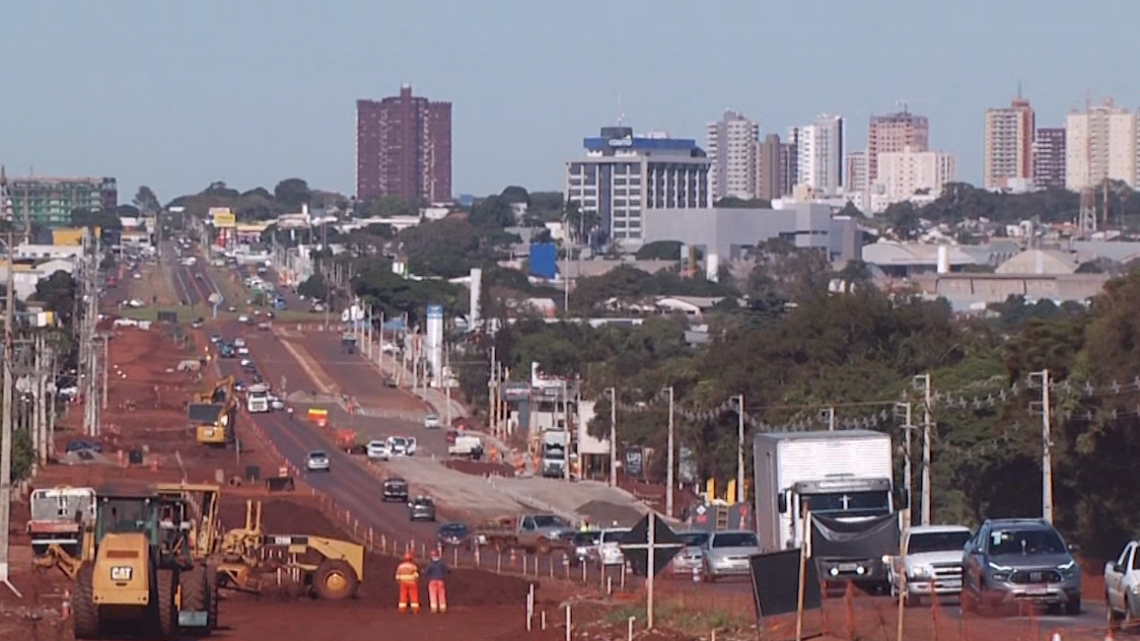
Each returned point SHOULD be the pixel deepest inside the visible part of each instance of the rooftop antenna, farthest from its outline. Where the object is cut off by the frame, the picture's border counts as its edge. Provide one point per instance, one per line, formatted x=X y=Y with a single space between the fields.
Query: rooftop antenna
x=621 y=111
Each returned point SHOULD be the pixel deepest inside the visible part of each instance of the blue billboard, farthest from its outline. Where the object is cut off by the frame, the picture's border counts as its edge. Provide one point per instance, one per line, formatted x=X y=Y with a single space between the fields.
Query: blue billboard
x=544 y=260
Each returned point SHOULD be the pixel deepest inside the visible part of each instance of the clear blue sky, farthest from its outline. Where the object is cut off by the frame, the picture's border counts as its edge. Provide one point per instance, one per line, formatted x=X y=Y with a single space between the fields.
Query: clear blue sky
x=178 y=94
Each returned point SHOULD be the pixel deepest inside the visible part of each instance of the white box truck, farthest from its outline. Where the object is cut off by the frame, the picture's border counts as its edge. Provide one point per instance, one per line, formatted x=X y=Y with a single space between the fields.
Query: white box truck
x=845 y=478
x=257 y=399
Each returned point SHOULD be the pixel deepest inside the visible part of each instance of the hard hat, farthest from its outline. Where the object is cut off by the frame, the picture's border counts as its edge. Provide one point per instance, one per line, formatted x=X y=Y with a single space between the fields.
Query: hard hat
x=435 y=554
x=408 y=556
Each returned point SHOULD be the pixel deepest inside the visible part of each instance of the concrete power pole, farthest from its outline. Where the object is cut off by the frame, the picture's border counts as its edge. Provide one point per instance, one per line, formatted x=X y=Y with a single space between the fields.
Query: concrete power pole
x=1046 y=444
x=908 y=474
x=9 y=383
x=740 y=448
x=927 y=427
x=612 y=393
x=669 y=480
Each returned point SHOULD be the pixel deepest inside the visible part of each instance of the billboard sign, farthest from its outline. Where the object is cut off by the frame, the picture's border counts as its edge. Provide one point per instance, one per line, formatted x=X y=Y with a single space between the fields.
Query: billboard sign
x=223 y=218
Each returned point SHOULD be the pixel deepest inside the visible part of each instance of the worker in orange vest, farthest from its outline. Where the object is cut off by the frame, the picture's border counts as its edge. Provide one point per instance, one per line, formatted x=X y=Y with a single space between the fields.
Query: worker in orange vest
x=408 y=578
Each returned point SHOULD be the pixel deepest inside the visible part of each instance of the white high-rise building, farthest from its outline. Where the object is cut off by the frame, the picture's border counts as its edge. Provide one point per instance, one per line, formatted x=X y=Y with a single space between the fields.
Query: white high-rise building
x=819 y=155
x=1100 y=143
x=731 y=146
x=911 y=175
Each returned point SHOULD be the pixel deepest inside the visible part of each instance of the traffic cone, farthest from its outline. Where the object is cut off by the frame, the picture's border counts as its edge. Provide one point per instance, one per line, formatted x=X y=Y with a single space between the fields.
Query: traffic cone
x=1109 y=636
x=514 y=558
x=1056 y=637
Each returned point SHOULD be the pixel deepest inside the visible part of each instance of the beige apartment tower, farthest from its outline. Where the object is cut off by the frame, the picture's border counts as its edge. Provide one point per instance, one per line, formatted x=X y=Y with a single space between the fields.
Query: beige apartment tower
x=1008 y=152
x=1100 y=143
x=894 y=133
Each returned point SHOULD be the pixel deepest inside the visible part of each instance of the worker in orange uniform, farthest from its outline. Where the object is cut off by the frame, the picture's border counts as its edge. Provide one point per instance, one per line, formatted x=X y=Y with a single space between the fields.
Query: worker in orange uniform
x=436 y=572
x=408 y=578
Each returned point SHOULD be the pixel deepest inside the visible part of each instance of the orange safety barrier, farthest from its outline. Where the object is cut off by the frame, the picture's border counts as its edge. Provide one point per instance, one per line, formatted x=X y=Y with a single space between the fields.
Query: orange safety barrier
x=345 y=438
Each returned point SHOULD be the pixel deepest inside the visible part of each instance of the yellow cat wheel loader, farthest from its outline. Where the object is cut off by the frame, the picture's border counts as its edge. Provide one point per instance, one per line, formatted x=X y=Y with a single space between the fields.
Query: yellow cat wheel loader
x=143 y=578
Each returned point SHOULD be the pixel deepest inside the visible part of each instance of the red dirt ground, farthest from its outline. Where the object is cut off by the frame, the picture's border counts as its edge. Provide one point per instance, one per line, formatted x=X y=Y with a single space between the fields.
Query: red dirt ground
x=147 y=410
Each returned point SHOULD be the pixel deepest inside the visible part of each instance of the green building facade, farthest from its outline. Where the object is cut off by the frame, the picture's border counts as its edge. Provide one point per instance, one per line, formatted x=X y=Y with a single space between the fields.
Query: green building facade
x=49 y=202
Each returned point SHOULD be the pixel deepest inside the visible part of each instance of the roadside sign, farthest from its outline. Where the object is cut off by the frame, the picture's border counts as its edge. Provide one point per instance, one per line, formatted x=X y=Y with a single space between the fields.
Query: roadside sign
x=648 y=548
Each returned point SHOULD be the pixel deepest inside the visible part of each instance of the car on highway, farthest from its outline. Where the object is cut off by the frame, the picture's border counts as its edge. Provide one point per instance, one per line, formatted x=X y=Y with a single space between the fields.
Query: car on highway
x=243 y=350
x=1015 y=561
x=608 y=551
x=80 y=445
x=239 y=342
x=930 y=565
x=198 y=323
x=402 y=445
x=395 y=489
x=263 y=327
x=318 y=461
x=690 y=559
x=727 y=553
x=421 y=508
x=377 y=450
x=582 y=543
x=432 y=422
x=243 y=319
x=453 y=535
x=215 y=338
x=226 y=351
x=276 y=404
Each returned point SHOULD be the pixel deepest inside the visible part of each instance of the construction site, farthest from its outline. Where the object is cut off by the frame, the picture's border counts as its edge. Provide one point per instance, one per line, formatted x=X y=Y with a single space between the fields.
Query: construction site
x=184 y=517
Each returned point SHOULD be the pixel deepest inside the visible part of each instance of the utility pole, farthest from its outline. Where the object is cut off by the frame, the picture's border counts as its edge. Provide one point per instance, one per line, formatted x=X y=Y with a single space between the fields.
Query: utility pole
x=492 y=388
x=1046 y=443
x=446 y=381
x=828 y=414
x=669 y=481
x=566 y=427
x=923 y=381
x=908 y=475
x=6 y=426
x=612 y=393
x=740 y=448
x=106 y=373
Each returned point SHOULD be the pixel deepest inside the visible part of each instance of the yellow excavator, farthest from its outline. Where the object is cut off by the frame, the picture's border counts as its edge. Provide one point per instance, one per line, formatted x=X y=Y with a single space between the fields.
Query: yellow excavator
x=212 y=414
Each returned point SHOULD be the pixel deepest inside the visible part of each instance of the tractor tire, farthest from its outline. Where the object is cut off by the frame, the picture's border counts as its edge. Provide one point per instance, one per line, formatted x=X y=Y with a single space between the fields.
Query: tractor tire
x=335 y=581
x=164 y=612
x=213 y=596
x=195 y=587
x=84 y=612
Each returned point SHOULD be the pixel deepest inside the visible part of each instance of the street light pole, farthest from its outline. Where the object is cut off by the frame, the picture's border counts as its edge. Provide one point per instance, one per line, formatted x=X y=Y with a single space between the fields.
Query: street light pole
x=740 y=448
x=612 y=392
x=669 y=480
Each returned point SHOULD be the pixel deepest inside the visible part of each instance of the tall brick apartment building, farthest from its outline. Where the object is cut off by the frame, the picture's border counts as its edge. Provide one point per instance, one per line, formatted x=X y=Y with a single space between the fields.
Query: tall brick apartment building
x=403 y=148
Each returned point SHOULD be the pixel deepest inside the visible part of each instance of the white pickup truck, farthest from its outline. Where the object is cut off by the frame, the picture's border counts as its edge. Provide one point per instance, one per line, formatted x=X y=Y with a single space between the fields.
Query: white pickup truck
x=1122 y=585
x=931 y=565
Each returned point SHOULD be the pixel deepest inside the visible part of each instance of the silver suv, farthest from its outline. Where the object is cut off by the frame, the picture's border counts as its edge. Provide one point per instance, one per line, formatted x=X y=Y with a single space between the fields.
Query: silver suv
x=1020 y=561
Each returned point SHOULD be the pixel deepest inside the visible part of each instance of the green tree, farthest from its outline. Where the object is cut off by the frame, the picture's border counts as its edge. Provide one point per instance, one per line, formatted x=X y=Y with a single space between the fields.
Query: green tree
x=660 y=250
x=57 y=292
x=314 y=286
x=92 y=219
x=146 y=201
x=492 y=212
x=788 y=272
x=291 y=193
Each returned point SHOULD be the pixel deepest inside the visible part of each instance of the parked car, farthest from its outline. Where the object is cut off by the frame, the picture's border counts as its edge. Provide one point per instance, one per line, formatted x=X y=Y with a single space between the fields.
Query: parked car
x=239 y=342
x=395 y=489
x=727 y=553
x=432 y=422
x=80 y=445
x=377 y=451
x=318 y=461
x=421 y=508
x=453 y=534
x=691 y=559
x=1010 y=561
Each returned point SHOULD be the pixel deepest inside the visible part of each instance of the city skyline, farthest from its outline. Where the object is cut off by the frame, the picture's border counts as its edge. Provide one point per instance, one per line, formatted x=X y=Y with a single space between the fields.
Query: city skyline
x=262 y=108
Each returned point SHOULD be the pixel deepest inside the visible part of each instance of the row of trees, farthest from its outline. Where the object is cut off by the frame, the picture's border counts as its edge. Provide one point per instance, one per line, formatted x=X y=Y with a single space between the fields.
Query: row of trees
x=858 y=353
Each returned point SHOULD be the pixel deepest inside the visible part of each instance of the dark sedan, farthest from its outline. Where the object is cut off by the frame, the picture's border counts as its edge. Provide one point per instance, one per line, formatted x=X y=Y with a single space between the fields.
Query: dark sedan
x=453 y=535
